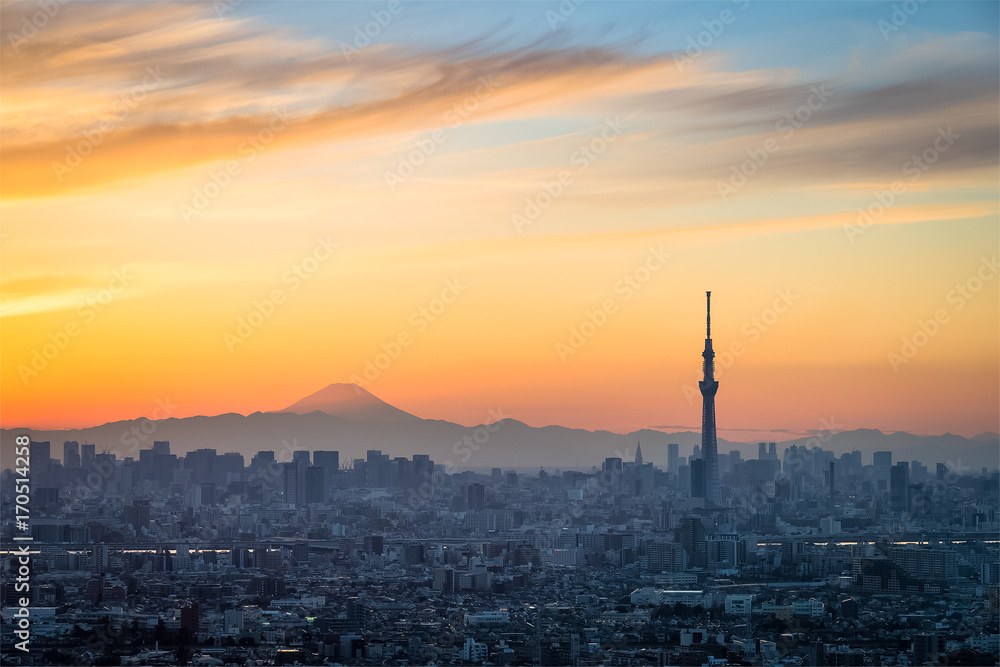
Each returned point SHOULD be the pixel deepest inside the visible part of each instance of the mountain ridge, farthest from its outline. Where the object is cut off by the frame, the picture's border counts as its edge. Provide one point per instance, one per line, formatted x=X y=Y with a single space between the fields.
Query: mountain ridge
x=353 y=426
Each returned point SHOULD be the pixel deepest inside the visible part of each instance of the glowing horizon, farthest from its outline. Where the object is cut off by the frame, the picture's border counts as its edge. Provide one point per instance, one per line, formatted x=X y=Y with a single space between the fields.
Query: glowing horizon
x=519 y=205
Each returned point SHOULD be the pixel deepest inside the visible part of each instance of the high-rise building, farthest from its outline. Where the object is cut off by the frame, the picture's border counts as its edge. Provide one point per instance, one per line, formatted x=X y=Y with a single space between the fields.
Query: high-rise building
x=475 y=497
x=673 y=457
x=638 y=455
x=444 y=580
x=240 y=558
x=925 y=564
x=207 y=496
x=697 y=472
x=925 y=648
x=690 y=534
x=378 y=468
x=41 y=453
x=191 y=619
x=262 y=460
x=817 y=653
x=328 y=459
x=302 y=461
x=87 y=455
x=161 y=447
x=140 y=513
x=233 y=621
x=100 y=558
x=662 y=556
x=290 y=483
x=374 y=544
x=709 y=386
x=421 y=470
x=899 y=491
x=882 y=462
x=782 y=487
x=315 y=484
x=229 y=468
x=71 y=454
x=201 y=463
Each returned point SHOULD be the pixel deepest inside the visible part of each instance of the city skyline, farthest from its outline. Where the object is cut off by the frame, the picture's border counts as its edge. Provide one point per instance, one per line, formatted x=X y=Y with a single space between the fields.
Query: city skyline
x=302 y=215
x=365 y=332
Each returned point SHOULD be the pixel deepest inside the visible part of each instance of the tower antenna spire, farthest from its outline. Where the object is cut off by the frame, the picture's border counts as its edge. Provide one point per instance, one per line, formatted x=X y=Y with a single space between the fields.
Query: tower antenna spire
x=708 y=311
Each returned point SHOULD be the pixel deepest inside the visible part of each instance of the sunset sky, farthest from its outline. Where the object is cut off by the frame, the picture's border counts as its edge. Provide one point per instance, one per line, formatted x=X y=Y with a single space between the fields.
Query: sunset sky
x=512 y=168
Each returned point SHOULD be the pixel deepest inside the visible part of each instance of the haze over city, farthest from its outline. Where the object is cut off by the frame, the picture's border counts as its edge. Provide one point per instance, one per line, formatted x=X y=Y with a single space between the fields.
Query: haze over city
x=549 y=333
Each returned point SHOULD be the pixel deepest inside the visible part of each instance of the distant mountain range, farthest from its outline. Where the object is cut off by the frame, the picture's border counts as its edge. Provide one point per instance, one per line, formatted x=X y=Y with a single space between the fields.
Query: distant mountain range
x=348 y=418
